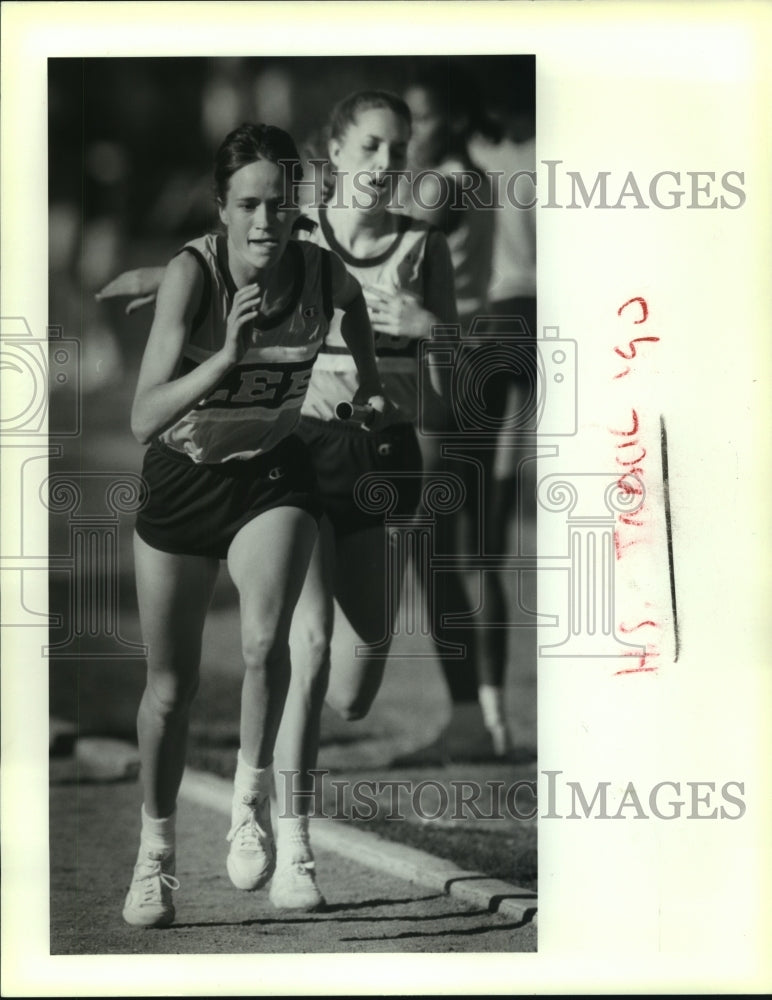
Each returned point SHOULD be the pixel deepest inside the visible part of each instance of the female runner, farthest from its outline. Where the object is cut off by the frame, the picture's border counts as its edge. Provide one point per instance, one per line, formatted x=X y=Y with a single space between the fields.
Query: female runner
x=238 y=323
x=405 y=271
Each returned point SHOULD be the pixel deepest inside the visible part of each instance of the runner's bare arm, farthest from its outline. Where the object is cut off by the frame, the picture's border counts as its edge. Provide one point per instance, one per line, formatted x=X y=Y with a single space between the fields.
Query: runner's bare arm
x=162 y=397
x=140 y=285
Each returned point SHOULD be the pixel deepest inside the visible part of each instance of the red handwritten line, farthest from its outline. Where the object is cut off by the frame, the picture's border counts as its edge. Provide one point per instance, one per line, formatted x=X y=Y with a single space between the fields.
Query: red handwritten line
x=627 y=629
x=635 y=461
x=641 y=668
x=647 y=654
x=631 y=489
x=620 y=548
x=628 y=433
x=644 y=309
x=637 y=340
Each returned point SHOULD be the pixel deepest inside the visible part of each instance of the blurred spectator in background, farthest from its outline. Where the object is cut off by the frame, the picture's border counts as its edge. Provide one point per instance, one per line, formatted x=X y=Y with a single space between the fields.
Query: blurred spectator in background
x=88 y=184
x=226 y=98
x=512 y=289
x=445 y=104
x=512 y=286
x=510 y=499
x=448 y=189
x=511 y=394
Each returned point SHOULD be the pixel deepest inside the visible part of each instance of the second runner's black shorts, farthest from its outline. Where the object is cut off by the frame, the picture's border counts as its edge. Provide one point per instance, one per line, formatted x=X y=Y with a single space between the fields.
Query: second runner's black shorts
x=342 y=453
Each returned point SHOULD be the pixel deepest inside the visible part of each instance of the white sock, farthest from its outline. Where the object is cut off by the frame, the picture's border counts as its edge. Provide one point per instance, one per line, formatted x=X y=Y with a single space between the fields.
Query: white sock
x=292 y=838
x=158 y=834
x=252 y=779
x=492 y=705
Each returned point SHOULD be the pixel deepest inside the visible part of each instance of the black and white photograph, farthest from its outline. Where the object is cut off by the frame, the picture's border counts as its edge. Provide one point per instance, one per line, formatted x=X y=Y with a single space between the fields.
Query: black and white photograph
x=343 y=619
x=384 y=556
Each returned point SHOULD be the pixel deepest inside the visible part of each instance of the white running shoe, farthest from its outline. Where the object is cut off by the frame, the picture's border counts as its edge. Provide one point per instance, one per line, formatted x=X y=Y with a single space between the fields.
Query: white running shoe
x=294 y=886
x=149 y=900
x=252 y=857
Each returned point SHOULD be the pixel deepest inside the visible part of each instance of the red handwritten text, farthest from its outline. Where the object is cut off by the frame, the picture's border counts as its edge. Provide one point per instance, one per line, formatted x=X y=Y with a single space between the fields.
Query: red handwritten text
x=630 y=456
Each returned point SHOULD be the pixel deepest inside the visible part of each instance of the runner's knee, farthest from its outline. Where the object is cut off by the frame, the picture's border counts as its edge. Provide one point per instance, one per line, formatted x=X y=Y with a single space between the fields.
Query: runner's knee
x=262 y=650
x=171 y=694
x=314 y=641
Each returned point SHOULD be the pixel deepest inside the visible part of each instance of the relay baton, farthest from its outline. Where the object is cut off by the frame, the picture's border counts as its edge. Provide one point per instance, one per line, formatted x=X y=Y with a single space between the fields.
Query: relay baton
x=355 y=412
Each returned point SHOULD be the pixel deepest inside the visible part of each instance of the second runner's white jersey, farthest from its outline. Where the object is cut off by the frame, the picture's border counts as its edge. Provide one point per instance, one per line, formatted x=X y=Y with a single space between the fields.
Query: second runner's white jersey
x=400 y=266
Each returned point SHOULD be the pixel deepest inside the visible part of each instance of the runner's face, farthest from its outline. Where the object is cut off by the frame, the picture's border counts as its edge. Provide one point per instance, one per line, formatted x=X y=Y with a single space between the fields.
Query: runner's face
x=371 y=153
x=259 y=213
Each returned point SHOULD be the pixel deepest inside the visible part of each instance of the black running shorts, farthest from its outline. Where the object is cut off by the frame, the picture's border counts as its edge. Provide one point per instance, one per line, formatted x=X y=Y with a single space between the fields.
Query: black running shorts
x=196 y=508
x=343 y=452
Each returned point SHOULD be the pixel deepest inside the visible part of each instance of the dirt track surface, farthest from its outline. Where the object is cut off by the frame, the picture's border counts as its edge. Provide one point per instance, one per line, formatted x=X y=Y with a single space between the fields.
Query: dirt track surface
x=94 y=830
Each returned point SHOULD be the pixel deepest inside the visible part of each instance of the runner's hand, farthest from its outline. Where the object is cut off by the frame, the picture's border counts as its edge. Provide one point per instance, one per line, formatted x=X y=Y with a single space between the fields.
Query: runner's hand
x=381 y=404
x=396 y=313
x=240 y=333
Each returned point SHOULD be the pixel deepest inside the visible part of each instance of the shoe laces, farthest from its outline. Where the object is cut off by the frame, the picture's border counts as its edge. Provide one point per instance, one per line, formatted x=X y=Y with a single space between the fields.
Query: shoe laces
x=245 y=830
x=150 y=878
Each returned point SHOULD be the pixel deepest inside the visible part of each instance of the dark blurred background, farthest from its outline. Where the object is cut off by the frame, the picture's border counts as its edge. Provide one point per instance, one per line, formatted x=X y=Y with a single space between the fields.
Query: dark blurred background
x=132 y=141
x=131 y=147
